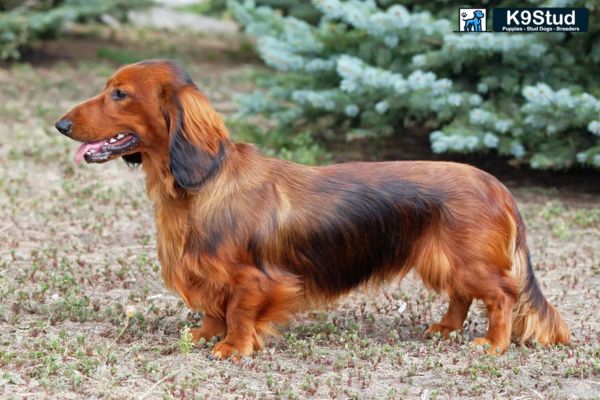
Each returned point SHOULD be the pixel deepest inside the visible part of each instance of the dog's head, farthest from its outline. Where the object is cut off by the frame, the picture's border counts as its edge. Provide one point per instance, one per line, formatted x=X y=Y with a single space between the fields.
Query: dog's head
x=149 y=109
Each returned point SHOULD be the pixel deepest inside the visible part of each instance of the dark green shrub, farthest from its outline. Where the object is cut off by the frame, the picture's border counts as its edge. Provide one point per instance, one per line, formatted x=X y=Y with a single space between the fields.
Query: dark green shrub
x=22 y=22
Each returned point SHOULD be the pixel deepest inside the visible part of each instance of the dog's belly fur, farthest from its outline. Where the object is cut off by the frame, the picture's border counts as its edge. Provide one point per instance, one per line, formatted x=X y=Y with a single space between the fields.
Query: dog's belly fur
x=333 y=227
x=354 y=223
x=349 y=229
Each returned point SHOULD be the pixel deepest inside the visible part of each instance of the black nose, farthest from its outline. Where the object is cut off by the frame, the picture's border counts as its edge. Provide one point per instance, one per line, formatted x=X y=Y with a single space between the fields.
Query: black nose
x=63 y=126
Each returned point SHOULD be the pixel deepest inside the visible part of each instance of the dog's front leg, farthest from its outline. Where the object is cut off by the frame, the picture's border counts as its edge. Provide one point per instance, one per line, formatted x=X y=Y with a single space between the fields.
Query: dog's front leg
x=246 y=298
x=211 y=326
x=200 y=296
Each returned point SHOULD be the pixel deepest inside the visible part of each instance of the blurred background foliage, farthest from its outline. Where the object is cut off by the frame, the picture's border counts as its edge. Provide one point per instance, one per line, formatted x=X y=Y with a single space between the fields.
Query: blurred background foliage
x=384 y=79
x=22 y=22
x=299 y=9
x=369 y=71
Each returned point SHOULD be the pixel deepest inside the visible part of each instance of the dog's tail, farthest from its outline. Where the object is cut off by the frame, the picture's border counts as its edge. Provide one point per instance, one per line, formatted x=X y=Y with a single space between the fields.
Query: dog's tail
x=534 y=319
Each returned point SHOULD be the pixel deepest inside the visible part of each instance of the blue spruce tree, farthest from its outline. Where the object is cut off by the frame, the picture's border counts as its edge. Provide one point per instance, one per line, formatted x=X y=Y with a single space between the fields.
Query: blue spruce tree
x=368 y=69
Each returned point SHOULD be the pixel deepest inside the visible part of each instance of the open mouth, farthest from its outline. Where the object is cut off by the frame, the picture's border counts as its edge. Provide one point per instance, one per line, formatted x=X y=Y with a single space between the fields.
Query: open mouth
x=104 y=150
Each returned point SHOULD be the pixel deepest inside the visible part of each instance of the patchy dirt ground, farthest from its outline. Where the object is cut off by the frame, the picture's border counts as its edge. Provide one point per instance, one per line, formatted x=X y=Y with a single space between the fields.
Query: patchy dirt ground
x=83 y=312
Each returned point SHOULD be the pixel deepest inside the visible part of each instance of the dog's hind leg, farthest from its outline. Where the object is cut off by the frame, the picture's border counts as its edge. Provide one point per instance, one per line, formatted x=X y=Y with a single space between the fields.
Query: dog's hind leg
x=498 y=293
x=436 y=267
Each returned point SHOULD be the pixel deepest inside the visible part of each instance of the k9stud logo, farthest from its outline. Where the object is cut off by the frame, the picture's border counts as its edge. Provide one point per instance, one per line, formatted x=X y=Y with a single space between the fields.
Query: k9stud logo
x=541 y=19
x=472 y=19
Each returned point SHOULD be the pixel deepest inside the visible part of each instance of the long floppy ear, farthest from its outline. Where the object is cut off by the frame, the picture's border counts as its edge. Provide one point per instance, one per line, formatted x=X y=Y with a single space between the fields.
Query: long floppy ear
x=197 y=138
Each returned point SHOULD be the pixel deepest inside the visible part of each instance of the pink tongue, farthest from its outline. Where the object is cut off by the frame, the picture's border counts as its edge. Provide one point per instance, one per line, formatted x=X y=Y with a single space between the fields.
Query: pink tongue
x=85 y=147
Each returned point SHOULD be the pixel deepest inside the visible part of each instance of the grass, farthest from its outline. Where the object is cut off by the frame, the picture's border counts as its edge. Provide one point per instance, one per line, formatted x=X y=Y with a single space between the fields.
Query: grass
x=83 y=312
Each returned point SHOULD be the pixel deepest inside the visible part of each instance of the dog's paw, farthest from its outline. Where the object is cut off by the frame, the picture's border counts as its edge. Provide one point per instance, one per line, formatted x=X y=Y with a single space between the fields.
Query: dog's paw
x=439 y=328
x=200 y=335
x=490 y=347
x=225 y=350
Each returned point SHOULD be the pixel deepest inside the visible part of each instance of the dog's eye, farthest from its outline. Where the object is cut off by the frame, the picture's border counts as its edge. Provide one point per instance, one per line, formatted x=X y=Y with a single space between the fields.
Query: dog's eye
x=118 y=95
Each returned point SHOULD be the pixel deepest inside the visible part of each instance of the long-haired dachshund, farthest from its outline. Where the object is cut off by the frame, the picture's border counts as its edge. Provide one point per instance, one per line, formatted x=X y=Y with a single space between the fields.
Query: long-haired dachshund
x=249 y=239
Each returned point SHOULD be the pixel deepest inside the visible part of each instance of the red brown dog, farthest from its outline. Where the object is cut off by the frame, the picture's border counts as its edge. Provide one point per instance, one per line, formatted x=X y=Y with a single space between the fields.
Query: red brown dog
x=249 y=239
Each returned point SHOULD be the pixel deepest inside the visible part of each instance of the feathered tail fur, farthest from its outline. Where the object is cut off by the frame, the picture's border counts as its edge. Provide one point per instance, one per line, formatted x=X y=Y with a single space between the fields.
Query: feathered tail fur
x=534 y=319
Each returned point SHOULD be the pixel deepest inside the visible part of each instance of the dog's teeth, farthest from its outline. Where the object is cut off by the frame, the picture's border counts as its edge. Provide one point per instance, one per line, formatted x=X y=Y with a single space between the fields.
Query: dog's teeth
x=91 y=151
x=120 y=136
x=112 y=140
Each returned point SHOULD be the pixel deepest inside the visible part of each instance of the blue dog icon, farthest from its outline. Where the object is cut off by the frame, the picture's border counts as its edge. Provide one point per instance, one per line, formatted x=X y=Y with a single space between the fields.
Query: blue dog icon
x=474 y=24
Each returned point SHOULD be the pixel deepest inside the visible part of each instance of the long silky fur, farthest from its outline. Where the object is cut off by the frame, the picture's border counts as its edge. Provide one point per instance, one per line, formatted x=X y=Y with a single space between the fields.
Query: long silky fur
x=250 y=239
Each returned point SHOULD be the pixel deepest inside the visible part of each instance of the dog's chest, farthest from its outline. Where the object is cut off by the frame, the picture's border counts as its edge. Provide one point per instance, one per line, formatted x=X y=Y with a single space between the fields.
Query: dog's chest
x=171 y=229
